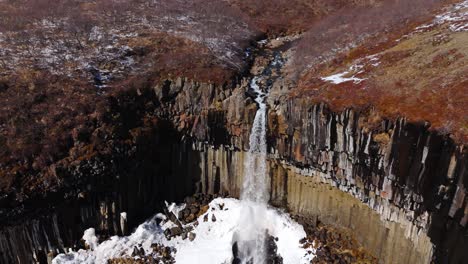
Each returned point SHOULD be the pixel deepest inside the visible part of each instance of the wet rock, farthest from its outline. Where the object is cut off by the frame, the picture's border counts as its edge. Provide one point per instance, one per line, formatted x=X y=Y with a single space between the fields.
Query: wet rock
x=272 y=251
x=194 y=210
x=192 y=236
x=203 y=210
x=190 y=218
x=235 y=253
x=166 y=253
x=175 y=231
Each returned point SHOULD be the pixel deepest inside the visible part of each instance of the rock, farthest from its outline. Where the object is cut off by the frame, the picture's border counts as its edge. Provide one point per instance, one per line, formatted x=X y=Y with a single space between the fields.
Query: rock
x=235 y=254
x=167 y=233
x=135 y=252
x=50 y=257
x=190 y=218
x=175 y=231
x=213 y=218
x=192 y=236
x=142 y=252
x=171 y=216
x=205 y=218
x=194 y=210
x=166 y=253
x=203 y=210
x=190 y=200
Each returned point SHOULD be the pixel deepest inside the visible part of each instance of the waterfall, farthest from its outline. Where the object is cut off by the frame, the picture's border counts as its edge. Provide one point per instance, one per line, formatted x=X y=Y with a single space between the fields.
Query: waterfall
x=255 y=190
x=255 y=186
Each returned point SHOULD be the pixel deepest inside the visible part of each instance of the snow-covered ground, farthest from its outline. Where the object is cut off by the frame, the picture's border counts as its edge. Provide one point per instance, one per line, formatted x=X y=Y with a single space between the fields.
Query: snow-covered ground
x=352 y=72
x=455 y=17
x=212 y=244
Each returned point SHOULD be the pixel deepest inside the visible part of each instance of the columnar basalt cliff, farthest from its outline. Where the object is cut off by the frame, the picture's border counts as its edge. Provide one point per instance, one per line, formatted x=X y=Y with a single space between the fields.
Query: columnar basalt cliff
x=398 y=186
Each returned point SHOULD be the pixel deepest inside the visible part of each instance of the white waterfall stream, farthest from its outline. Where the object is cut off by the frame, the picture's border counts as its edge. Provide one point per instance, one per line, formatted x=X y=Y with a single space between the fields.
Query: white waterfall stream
x=255 y=191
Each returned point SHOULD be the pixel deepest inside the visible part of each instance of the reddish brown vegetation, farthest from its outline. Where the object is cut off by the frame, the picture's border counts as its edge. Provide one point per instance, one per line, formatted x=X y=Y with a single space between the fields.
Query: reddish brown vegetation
x=338 y=33
x=38 y=114
x=280 y=17
x=49 y=100
x=418 y=77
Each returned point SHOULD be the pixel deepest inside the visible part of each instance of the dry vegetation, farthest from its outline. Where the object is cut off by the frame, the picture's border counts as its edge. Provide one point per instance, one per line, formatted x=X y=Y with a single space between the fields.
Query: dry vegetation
x=417 y=72
x=62 y=61
x=348 y=28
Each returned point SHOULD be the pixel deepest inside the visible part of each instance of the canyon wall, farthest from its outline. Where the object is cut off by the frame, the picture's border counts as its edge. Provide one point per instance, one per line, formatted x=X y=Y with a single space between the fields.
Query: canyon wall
x=405 y=184
x=398 y=186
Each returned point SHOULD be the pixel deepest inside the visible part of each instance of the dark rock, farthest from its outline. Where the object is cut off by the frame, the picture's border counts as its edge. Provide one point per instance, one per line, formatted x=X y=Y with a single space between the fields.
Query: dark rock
x=192 y=236
x=175 y=231
x=190 y=218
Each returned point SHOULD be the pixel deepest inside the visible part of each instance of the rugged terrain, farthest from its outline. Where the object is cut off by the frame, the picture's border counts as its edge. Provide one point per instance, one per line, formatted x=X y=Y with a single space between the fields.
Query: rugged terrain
x=107 y=105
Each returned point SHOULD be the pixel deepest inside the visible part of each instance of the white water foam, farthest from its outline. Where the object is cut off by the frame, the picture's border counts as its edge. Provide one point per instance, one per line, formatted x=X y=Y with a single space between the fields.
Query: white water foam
x=251 y=233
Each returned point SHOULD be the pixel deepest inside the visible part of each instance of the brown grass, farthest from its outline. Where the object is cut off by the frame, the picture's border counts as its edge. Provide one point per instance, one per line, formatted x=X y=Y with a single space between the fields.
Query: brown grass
x=418 y=77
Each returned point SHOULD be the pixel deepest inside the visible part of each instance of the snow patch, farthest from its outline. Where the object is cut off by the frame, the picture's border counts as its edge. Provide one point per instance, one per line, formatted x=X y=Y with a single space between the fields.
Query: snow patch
x=212 y=244
x=90 y=238
x=339 y=78
x=456 y=17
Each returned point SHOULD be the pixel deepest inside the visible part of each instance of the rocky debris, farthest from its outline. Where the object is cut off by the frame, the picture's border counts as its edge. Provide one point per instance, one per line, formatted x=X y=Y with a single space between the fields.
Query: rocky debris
x=175 y=231
x=235 y=253
x=160 y=254
x=272 y=256
x=192 y=236
x=332 y=245
x=138 y=251
x=195 y=206
x=272 y=250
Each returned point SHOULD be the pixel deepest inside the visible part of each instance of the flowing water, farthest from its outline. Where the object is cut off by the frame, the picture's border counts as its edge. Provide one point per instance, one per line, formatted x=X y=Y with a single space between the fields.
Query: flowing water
x=253 y=223
x=255 y=187
x=255 y=191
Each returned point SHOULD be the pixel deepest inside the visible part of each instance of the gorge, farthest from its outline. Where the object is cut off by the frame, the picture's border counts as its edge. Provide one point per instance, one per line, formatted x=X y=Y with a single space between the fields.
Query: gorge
x=343 y=145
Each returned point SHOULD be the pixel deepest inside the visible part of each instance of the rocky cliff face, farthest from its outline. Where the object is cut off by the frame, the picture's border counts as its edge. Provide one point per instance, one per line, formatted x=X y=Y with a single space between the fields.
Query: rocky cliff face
x=397 y=185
